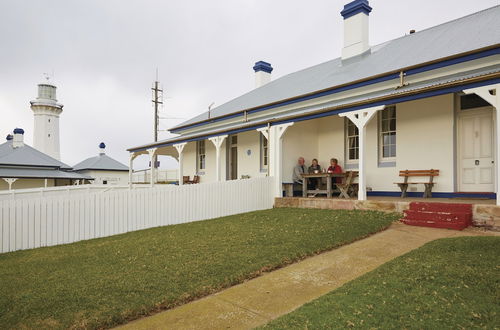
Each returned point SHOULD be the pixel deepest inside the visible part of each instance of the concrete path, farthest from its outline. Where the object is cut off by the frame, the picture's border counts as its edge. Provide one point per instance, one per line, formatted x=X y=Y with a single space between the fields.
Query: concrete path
x=265 y=298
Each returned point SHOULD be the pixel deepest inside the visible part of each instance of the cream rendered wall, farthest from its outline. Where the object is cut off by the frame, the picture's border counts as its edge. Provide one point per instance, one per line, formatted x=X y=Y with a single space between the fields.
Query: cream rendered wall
x=299 y=140
x=249 y=164
x=26 y=184
x=189 y=159
x=331 y=140
x=112 y=177
x=425 y=140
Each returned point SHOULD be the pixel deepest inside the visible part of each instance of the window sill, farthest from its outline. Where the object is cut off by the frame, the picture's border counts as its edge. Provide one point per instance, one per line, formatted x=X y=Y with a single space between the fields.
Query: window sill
x=387 y=163
x=351 y=166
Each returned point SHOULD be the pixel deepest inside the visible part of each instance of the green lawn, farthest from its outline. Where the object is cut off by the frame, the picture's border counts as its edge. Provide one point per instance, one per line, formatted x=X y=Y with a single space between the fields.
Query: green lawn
x=450 y=283
x=105 y=282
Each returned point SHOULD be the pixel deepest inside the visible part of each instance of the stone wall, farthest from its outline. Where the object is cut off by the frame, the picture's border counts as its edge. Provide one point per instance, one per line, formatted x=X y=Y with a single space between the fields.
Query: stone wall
x=483 y=215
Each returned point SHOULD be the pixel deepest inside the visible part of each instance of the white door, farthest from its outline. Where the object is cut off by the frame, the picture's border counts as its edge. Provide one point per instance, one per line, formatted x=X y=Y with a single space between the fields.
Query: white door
x=476 y=151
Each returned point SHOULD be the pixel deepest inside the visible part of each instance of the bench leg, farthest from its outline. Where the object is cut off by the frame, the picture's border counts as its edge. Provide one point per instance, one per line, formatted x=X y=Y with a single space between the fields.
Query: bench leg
x=428 y=190
x=404 y=188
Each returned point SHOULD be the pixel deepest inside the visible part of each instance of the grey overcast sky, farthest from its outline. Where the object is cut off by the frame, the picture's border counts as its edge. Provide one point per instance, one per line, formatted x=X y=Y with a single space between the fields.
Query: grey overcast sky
x=104 y=54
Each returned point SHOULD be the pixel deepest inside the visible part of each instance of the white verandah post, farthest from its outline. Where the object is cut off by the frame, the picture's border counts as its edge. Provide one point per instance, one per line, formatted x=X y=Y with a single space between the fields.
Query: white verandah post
x=491 y=94
x=131 y=168
x=180 y=147
x=275 y=139
x=152 y=154
x=217 y=141
x=360 y=118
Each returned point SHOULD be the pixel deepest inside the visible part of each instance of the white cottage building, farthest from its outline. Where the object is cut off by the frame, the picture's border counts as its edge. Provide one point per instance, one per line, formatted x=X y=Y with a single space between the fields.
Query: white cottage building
x=425 y=100
x=23 y=167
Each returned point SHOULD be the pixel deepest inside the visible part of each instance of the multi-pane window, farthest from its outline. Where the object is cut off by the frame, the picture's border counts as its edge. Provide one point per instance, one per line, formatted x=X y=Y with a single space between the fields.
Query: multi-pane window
x=387 y=133
x=264 y=155
x=200 y=155
x=352 y=141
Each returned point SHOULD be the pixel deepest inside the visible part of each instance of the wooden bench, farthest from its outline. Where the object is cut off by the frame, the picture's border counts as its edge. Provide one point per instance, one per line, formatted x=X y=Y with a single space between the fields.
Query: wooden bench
x=411 y=173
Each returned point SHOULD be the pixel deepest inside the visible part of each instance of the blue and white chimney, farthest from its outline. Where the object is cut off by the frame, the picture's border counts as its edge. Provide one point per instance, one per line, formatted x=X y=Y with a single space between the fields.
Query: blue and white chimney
x=18 y=138
x=262 y=73
x=356 y=28
x=102 y=149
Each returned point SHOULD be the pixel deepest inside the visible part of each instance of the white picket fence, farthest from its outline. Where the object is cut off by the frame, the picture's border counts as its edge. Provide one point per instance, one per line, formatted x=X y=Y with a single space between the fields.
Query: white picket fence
x=36 y=220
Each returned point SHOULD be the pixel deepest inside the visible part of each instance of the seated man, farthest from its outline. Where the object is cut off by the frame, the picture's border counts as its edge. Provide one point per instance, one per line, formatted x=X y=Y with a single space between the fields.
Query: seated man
x=335 y=169
x=298 y=170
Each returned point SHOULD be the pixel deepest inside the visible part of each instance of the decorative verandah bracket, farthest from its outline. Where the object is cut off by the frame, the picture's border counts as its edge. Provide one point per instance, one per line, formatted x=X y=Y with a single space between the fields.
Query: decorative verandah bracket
x=275 y=140
x=264 y=131
x=217 y=141
x=491 y=94
x=180 y=148
x=10 y=181
x=361 y=118
x=152 y=154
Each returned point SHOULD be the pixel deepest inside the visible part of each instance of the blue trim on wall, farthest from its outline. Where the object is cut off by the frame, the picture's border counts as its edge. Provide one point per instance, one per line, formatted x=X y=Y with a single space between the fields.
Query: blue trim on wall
x=421 y=69
x=434 y=194
x=355 y=7
x=263 y=66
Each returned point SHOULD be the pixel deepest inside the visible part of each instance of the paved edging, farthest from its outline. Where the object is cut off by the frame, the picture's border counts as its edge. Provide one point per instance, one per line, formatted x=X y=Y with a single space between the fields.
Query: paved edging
x=267 y=297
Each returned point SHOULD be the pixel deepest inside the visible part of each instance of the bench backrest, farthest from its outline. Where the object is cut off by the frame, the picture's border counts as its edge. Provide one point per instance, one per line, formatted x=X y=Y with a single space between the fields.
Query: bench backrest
x=408 y=173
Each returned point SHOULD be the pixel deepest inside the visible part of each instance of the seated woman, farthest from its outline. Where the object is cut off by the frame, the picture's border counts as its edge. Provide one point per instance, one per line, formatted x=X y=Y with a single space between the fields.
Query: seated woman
x=335 y=168
x=314 y=168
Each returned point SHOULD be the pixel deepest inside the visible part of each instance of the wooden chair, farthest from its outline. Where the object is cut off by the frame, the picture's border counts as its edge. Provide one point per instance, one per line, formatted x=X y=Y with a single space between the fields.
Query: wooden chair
x=346 y=187
x=410 y=173
x=185 y=179
x=196 y=179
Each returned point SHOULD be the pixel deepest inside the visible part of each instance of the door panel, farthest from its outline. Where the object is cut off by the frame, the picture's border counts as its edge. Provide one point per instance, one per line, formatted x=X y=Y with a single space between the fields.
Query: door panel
x=476 y=153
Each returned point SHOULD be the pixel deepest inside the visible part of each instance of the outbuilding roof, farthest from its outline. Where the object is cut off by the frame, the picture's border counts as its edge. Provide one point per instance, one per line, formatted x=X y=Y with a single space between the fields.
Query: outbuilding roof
x=470 y=33
x=102 y=162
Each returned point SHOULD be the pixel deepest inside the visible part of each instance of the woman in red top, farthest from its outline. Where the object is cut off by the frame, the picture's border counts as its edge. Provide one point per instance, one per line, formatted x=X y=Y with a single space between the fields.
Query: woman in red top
x=336 y=169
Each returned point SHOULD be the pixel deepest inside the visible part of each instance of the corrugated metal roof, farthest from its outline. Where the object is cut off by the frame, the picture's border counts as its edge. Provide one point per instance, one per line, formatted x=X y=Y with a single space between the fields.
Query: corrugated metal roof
x=101 y=162
x=472 y=32
x=13 y=172
x=27 y=156
x=436 y=82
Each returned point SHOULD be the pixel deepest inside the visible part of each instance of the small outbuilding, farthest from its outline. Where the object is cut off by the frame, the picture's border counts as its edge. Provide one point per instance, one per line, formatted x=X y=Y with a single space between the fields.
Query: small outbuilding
x=103 y=169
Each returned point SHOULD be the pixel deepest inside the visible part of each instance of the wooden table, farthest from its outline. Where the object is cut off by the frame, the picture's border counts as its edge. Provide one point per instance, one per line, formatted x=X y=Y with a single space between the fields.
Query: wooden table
x=328 y=176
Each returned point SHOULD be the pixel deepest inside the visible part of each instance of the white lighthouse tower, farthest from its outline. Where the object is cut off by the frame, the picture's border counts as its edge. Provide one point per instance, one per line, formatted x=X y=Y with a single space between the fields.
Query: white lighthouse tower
x=46 y=111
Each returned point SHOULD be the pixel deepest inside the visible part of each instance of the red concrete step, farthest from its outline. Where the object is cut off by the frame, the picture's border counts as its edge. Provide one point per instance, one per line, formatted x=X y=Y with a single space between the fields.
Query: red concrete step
x=441 y=207
x=435 y=224
x=456 y=217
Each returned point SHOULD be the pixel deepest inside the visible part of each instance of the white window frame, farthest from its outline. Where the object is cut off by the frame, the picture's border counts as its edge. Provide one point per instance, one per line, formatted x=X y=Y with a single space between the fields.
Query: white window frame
x=201 y=156
x=264 y=153
x=347 y=138
x=382 y=132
